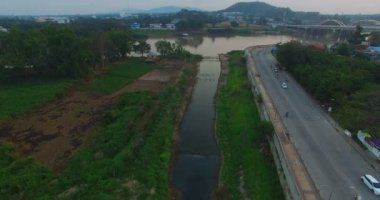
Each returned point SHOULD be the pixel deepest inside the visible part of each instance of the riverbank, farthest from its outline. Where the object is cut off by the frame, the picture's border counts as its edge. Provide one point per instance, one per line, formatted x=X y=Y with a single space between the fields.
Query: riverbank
x=127 y=153
x=248 y=170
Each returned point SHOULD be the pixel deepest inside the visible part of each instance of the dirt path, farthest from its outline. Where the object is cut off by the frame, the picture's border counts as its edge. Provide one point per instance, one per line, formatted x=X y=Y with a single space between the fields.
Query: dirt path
x=52 y=133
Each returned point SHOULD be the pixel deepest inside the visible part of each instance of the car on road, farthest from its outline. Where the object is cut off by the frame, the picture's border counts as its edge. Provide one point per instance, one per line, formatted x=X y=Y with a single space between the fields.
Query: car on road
x=284 y=85
x=371 y=183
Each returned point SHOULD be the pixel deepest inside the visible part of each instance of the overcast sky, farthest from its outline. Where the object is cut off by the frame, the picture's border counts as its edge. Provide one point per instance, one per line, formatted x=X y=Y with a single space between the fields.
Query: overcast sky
x=28 y=7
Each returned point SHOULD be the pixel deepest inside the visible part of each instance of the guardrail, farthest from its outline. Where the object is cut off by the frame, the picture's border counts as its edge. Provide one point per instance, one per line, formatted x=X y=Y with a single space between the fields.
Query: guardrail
x=296 y=181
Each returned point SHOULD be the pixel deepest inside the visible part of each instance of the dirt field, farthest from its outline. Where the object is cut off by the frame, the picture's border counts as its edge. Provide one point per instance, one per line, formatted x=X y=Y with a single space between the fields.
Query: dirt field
x=52 y=133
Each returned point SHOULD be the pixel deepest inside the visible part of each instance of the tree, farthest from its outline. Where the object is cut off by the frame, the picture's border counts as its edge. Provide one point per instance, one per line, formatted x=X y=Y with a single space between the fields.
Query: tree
x=262 y=21
x=51 y=50
x=164 y=48
x=291 y=54
x=13 y=48
x=375 y=39
x=103 y=47
x=234 y=24
x=265 y=128
x=342 y=49
x=141 y=47
x=123 y=42
x=357 y=37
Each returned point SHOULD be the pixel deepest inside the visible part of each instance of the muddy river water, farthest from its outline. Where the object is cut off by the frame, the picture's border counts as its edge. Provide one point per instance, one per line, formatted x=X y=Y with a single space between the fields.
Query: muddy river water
x=196 y=168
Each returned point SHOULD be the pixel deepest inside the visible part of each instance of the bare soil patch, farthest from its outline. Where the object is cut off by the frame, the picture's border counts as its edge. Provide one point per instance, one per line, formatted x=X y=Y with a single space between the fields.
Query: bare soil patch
x=53 y=132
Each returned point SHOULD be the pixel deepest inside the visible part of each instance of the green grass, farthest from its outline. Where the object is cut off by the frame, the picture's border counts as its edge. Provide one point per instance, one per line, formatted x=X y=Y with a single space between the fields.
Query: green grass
x=119 y=75
x=20 y=97
x=121 y=163
x=104 y=166
x=240 y=142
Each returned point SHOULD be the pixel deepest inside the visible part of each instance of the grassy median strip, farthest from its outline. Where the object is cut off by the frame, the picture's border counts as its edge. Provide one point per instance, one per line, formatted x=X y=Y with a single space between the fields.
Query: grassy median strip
x=247 y=171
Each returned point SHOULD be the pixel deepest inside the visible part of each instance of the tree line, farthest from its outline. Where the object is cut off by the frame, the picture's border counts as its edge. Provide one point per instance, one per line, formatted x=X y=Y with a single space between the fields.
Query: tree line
x=349 y=85
x=57 y=50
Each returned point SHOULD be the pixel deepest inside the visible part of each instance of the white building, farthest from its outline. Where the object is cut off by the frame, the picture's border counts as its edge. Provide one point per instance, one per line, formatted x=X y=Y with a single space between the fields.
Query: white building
x=155 y=26
x=2 y=29
x=59 y=20
x=170 y=26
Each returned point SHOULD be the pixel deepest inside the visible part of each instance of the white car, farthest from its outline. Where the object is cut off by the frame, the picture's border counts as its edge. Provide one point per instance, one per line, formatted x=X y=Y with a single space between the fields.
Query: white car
x=284 y=85
x=371 y=183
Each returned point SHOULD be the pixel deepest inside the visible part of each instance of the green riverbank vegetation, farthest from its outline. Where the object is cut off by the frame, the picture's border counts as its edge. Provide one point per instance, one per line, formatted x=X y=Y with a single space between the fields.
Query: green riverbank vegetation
x=248 y=170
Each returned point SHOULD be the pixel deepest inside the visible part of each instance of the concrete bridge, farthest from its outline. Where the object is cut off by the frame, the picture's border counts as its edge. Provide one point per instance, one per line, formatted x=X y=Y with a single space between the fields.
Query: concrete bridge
x=367 y=25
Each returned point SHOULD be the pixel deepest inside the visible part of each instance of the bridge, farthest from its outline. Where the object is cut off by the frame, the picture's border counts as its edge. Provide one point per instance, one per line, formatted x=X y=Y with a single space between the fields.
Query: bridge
x=331 y=24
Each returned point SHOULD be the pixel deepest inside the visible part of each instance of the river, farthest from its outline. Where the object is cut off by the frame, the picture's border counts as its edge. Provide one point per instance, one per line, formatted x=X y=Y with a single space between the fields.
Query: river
x=196 y=168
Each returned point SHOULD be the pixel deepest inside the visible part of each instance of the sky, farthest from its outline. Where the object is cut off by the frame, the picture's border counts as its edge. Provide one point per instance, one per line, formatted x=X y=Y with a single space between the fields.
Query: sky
x=59 y=7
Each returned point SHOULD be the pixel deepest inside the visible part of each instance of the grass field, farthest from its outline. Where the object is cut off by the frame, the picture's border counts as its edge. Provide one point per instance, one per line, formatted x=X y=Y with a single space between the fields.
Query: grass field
x=20 y=97
x=241 y=144
x=96 y=167
x=119 y=75
x=122 y=161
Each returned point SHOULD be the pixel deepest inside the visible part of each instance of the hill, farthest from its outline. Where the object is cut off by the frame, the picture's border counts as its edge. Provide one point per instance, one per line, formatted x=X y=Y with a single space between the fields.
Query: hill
x=161 y=10
x=259 y=9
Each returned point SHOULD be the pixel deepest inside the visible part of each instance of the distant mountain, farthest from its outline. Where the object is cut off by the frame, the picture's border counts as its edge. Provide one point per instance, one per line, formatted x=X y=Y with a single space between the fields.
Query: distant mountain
x=259 y=9
x=171 y=9
x=161 y=10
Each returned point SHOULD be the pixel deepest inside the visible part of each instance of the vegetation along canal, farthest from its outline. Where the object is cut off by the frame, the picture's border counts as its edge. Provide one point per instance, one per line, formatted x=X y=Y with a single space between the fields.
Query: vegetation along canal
x=196 y=167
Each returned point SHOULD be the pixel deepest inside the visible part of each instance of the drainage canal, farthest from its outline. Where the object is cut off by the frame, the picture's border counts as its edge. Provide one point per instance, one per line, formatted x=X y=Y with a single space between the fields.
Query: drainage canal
x=196 y=168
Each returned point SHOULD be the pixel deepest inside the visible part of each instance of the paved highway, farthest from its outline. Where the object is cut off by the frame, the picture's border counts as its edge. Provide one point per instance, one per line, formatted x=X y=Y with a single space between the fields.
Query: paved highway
x=333 y=164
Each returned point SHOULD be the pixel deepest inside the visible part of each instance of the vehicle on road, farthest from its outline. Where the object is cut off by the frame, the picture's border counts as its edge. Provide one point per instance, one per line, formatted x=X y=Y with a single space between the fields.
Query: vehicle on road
x=371 y=183
x=284 y=85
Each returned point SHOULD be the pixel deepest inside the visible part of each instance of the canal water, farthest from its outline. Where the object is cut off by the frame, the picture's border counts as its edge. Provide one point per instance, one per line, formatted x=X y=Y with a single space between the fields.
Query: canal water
x=196 y=168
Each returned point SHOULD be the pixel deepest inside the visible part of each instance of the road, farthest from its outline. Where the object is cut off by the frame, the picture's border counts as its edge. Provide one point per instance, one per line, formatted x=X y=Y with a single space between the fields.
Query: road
x=334 y=165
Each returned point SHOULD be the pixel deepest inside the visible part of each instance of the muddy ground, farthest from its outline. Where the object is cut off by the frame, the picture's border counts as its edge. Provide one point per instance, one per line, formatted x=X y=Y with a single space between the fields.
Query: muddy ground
x=53 y=132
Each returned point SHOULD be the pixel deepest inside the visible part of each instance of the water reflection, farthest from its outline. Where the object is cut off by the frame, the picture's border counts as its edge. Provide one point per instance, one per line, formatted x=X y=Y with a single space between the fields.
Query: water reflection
x=190 y=41
x=211 y=47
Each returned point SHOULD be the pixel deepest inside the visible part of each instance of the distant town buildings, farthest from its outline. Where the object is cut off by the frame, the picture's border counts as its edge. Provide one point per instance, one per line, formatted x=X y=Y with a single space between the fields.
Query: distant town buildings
x=59 y=20
x=2 y=29
x=233 y=16
x=170 y=26
x=160 y=26
x=373 y=53
x=135 y=25
x=155 y=26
